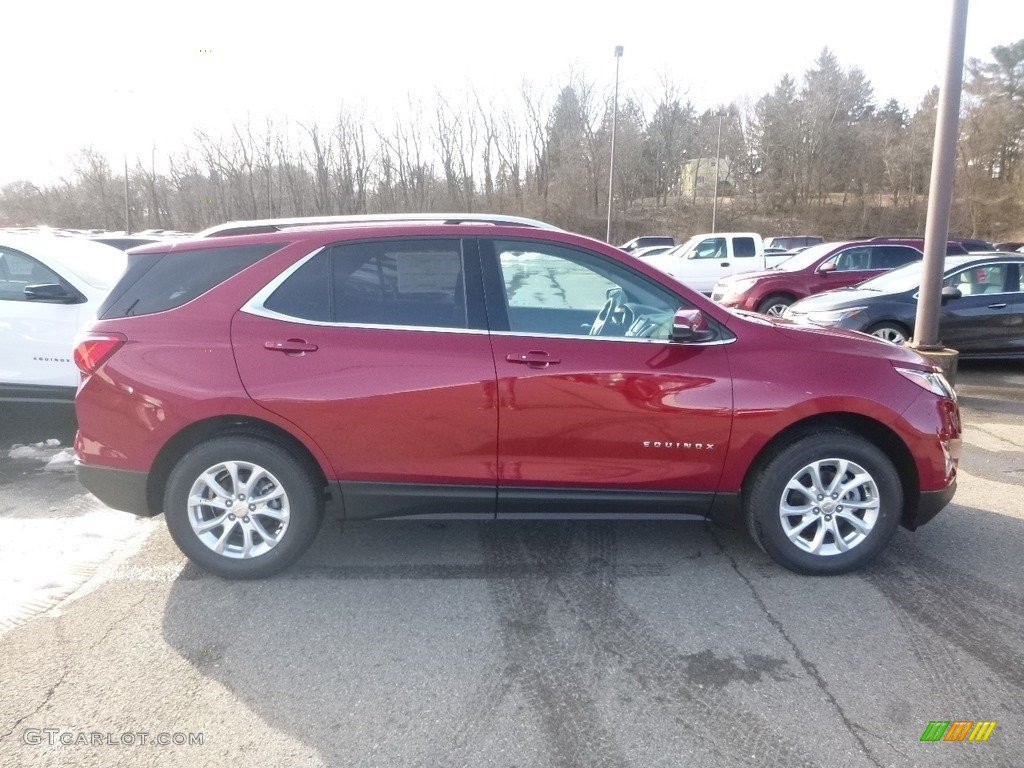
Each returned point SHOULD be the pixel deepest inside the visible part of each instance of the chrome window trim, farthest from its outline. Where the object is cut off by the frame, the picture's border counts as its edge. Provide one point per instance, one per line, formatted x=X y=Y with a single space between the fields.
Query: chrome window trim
x=633 y=339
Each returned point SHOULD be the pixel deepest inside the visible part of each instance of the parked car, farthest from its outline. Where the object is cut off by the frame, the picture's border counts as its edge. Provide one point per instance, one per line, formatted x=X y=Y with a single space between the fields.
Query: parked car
x=1010 y=245
x=488 y=370
x=49 y=287
x=815 y=269
x=974 y=245
x=704 y=259
x=789 y=242
x=647 y=240
x=123 y=242
x=982 y=312
x=649 y=250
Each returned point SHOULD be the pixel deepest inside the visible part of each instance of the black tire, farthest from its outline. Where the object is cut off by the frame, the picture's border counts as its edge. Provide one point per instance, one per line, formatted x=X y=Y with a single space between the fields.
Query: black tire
x=767 y=491
x=774 y=304
x=300 y=505
x=889 y=332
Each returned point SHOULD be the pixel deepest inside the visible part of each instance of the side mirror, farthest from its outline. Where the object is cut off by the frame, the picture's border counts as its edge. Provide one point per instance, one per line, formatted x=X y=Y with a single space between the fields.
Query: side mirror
x=52 y=293
x=688 y=325
x=949 y=292
x=827 y=267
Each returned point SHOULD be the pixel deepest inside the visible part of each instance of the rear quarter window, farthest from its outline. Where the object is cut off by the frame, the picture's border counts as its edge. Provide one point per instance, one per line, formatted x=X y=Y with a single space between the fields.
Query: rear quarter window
x=160 y=281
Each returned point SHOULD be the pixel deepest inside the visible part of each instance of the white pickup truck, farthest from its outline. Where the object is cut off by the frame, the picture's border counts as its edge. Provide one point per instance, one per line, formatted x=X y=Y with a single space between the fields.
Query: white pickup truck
x=703 y=260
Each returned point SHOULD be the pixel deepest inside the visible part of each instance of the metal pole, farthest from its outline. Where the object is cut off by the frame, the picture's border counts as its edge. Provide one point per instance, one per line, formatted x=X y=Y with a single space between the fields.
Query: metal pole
x=718 y=156
x=940 y=192
x=611 y=160
x=127 y=209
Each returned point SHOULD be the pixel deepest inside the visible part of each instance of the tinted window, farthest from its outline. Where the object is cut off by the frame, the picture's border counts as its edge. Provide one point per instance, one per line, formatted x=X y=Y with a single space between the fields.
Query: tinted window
x=18 y=270
x=744 y=246
x=551 y=289
x=408 y=282
x=892 y=256
x=306 y=294
x=412 y=283
x=159 y=282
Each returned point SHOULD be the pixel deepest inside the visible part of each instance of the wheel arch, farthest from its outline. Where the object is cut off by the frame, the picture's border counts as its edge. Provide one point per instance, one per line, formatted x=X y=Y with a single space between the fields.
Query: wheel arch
x=870 y=429
x=223 y=426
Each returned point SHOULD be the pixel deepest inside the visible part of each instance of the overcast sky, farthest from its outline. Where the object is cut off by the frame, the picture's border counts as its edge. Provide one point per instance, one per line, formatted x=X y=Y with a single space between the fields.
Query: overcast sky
x=125 y=76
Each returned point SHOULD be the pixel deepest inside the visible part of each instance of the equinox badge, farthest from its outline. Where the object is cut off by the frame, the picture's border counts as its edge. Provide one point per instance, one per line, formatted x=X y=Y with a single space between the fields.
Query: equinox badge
x=685 y=446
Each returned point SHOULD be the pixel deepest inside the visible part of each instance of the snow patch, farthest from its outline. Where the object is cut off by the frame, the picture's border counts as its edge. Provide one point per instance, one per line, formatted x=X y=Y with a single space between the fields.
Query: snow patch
x=43 y=451
x=44 y=561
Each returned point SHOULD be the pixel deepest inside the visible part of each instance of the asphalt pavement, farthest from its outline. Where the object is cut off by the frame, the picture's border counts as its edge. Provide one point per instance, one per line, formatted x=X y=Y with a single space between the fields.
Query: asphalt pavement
x=420 y=643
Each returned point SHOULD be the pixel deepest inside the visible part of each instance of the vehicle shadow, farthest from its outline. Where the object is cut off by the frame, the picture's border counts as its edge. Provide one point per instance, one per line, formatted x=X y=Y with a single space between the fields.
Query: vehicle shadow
x=593 y=643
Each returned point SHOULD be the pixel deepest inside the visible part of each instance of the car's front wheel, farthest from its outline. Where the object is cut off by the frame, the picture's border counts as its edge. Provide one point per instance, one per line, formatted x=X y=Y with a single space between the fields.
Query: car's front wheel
x=827 y=503
x=897 y=334
x=774 y=306
x=242 y=507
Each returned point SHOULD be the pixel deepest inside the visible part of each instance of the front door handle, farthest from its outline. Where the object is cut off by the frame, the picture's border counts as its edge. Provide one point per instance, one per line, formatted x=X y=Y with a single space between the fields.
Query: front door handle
x=534 y=359
x=997 y=306
x=724 y=264
x=291 y=346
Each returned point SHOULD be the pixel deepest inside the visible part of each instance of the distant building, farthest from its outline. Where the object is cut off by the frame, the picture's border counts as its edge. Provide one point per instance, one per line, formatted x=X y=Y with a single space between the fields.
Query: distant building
x=698 y=176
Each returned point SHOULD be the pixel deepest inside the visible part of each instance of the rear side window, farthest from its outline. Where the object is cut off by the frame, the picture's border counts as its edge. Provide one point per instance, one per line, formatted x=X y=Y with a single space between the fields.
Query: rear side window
x=744 y=246
x=892 y=256
x=162 y=281
x=408 y=283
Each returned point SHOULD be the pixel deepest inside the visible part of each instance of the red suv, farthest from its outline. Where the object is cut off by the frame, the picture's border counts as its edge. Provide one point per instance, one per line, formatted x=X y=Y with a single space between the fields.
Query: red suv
x=814 y=270
x=482 y=368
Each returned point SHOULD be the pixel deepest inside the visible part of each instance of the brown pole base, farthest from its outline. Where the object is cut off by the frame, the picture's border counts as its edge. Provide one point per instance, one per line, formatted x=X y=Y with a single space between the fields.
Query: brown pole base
x=945 y=359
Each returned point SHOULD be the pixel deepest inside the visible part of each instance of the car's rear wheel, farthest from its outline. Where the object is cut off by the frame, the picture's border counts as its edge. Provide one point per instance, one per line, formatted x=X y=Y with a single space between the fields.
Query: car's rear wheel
x=897 y=334
x=827 y=503
x=242 y=507
x=775 y=305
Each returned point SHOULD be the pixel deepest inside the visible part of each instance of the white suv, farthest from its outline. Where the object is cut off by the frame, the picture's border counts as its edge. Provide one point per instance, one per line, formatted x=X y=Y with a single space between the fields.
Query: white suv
x=49 y=287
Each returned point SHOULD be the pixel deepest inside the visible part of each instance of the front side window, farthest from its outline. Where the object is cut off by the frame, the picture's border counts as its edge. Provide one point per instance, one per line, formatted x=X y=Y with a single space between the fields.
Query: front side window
x=853 y=259
x=551 y=289
x=991 y=278
x=409 y=283
x=711 y=248
x=18 y=271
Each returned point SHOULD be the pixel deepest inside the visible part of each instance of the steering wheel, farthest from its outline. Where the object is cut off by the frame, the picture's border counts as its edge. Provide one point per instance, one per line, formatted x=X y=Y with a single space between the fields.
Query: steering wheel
x=611 y=319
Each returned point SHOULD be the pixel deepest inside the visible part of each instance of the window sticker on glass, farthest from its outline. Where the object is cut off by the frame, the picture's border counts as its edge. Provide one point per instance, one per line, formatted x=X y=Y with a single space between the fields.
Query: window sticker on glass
x=427 y=271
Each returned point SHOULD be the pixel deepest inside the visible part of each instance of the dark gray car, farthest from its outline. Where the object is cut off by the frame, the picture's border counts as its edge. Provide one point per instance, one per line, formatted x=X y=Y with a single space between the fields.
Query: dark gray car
x=982 y=311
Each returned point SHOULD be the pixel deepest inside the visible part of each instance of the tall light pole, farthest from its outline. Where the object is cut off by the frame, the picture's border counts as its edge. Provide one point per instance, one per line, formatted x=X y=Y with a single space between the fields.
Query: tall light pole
x=718 y=157
x=940 y=190
x=611 y=160
x=127 y=207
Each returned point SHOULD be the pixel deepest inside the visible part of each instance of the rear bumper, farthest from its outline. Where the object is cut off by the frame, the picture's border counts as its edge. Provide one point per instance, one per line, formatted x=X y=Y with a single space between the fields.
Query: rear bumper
x=930 y=504
x=118 y=488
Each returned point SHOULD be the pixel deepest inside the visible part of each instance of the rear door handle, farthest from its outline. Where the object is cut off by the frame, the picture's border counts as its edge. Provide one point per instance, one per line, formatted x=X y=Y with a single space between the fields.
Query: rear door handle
x=534 y=359
x=292 y=346
x=997 y=306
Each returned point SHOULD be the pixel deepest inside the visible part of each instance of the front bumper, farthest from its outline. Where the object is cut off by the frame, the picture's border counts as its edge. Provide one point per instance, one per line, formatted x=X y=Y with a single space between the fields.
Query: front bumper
x=118 y=488
x=929 y=505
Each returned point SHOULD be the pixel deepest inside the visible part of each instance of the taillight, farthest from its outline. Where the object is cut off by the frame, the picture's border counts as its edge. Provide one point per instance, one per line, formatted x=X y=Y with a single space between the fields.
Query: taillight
x=93 y=349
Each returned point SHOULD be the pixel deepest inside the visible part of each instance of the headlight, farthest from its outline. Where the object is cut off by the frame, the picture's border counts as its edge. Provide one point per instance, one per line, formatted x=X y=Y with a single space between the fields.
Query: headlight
x=933 y=381
x=833 y=316
x=732 y=288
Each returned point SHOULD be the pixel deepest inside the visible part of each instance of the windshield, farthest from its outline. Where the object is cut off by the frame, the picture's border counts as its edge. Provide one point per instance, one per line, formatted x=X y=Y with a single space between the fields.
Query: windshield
x=897 y=281
x=806 y=257
x=681 y=249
